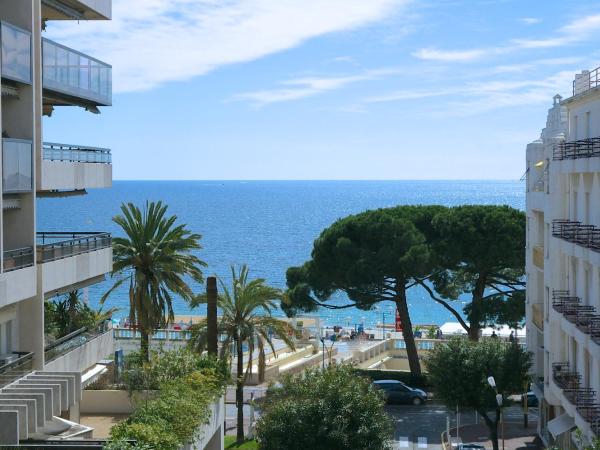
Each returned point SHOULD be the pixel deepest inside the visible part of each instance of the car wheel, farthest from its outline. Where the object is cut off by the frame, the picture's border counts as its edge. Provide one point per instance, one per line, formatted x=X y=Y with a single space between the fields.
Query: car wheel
x=417 y=401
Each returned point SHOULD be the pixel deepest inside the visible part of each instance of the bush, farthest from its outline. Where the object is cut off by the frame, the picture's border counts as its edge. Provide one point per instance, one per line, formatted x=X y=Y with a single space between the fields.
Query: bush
x=331 y=409
x=184 y=393
x=416 y=381
x=166 y=366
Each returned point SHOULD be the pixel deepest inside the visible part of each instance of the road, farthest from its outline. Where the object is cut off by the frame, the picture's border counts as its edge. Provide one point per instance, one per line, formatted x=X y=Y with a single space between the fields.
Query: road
x=420 y=427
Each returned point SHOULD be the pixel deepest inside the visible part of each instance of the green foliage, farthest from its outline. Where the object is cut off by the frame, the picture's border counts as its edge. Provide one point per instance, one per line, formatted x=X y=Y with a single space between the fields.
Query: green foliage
x=67 y=313
x=154 y=258
x=246 y=318
x=172 y=418
x=332 y=409
x=479 y=251
x=458 y=371
x=167 y=366
x=416 y=381
x=366 y=256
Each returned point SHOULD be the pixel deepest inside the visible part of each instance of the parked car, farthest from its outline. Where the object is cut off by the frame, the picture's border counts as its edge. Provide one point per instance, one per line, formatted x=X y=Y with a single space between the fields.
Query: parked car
x=470 y=447
x=398 y=392
x=532 y=400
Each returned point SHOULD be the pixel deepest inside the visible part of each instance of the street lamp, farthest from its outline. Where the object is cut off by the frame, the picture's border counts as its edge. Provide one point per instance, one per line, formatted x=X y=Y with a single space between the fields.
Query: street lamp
x=492 y=382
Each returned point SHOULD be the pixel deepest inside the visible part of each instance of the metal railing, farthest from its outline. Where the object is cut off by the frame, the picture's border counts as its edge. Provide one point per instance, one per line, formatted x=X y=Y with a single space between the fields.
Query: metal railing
x=16 y=53
x=74 y=340
x=70 y=72
x=53 y=246
x=76 y=153
x=583 y=398
x=587 y=236
x=16 y=369
x=17 y=165
x=586 y=80
x=583 y=148
x=159 y=335
x=17 y=259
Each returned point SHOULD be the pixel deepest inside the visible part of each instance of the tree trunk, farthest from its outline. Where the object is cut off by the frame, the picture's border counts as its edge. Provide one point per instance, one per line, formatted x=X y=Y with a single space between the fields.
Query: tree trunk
x=144 y=346
x=492 y=427
x=261 y=366
x=407 y=331
x=239 y=392
x=475 y=317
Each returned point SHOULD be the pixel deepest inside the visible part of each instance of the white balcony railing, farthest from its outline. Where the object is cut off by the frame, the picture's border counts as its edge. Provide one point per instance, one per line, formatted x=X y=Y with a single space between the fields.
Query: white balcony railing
x=69 y=72
x=76 y=153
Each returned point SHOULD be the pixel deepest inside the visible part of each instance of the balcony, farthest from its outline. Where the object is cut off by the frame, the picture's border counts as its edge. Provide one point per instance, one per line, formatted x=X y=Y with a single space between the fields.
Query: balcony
x=586 y=81
x=73 y=78
x=583 y=398
x=17 y=166
x=583 y=148
x=537 y=315
x=79 y=350
x=584 y=317
x=72 y=260
x=16 y=53
x=587 y=236
x=74 y=168
x=538 y=256
x=77 y=9
x=18 y=280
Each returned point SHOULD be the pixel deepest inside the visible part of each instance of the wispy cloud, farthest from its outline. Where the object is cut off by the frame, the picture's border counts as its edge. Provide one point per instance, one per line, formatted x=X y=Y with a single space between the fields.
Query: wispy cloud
x=151 y=42
x=299 y=88
x=578 y=30
x=530 y=20
x=433 y=54
x=477 y=97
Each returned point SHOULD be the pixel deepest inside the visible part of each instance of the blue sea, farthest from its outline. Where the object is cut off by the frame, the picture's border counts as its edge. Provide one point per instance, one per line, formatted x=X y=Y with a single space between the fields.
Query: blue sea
x=269 y=225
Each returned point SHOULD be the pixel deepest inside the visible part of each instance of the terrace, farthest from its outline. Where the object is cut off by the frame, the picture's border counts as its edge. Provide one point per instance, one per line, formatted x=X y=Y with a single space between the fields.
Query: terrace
x=583 y=148
x=587 y=236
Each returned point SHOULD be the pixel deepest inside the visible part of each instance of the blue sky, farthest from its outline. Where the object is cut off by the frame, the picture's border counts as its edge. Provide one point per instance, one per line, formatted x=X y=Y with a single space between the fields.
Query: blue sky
x=327 y=89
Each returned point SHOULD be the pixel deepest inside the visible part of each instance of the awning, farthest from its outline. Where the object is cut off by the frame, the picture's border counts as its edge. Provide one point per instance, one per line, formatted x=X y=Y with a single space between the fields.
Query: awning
x=561 y=425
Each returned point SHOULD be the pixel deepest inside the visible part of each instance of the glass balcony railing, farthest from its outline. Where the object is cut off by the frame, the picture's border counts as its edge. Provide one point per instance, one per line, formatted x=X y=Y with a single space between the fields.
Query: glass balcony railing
x=73 y=340
x=16 y=53
x=17 y=259
x=72 y=73
x=17 y=168
x=52 y=246
x=19 y=365
x=76 y=153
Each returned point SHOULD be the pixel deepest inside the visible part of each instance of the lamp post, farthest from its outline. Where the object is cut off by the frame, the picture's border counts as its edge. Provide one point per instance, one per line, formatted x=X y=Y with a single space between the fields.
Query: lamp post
x=492 y=383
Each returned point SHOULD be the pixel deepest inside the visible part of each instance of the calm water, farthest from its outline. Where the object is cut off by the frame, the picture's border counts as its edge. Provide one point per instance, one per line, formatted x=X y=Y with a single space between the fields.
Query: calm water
x=270 y=225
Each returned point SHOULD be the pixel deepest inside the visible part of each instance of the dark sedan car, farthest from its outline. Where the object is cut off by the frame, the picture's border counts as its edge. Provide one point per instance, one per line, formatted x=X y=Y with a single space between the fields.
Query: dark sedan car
x=398 y=392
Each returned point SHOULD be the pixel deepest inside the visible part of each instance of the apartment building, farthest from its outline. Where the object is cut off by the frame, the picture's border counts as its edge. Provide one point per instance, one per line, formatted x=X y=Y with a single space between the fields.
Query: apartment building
x=40 y=384
x=563 y=265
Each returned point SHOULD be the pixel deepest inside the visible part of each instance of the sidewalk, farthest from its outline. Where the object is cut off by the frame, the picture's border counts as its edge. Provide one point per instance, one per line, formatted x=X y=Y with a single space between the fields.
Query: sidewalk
x=515 y=436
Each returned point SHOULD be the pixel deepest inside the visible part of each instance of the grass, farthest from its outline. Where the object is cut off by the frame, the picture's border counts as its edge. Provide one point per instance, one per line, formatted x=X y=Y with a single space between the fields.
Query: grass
x=247 y=445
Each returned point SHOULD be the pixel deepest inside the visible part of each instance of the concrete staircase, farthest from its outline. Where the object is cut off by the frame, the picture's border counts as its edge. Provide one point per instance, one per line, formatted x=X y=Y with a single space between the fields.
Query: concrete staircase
x=41 y=405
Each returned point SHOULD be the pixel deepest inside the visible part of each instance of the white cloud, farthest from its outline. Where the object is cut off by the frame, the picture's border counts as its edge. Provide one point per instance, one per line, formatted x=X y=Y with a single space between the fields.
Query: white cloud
x=299 y=88
x=530 y=20
x=477 y=97
x=151 y=42
x=432 y=54
x=577 y=30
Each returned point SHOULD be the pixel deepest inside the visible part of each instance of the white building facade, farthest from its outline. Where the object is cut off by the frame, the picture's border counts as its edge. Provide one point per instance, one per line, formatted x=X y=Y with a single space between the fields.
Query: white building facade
x=563 y=265
x=40 y=384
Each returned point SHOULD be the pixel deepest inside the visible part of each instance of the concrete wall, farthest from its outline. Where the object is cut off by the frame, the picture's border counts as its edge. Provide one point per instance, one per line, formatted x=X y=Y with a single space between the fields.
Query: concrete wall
x=211 y=434
x=82 y=358
x=63 y=175
x=76 y=269
x=102 y=7
x=17 y=285
x=106 y=402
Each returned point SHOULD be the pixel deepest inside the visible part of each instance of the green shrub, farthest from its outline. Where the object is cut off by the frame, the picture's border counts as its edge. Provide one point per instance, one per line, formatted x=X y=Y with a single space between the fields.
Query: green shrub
x=416 y=381
x=331 y=409
x=181 y=405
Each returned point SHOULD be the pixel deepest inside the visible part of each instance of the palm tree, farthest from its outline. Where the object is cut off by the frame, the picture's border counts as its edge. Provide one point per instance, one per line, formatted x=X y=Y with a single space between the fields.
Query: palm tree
x=246 y=319
x=154 y=257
